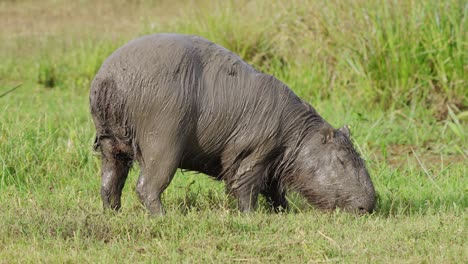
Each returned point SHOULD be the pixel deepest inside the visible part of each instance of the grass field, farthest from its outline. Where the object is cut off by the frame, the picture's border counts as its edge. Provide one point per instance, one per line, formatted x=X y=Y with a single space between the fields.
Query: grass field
x=395 y=71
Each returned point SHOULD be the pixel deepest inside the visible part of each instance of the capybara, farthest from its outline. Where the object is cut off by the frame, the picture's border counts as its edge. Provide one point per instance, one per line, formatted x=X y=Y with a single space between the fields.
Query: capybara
x=173 y=101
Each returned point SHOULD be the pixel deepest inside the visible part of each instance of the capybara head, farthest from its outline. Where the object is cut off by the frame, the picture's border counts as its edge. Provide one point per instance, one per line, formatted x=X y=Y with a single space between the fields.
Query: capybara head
x=331 y=174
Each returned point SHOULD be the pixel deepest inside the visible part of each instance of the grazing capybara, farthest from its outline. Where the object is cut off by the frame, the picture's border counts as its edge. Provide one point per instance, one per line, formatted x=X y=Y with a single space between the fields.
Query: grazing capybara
x=173 y=101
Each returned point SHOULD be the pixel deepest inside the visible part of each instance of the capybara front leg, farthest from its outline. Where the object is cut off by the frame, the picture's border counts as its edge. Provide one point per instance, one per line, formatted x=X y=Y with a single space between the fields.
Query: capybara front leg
x=114 y=172
x=245 y=186
x=276 y=198
x=247 y=199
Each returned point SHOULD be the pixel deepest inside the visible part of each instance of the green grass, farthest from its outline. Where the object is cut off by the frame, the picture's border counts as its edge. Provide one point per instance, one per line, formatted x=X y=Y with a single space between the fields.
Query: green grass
x=395 y=71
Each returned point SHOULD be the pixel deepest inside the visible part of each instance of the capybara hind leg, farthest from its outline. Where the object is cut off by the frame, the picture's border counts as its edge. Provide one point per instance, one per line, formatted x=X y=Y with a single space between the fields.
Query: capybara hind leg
x=159 y=164
x=154 y=179
x=114 y=171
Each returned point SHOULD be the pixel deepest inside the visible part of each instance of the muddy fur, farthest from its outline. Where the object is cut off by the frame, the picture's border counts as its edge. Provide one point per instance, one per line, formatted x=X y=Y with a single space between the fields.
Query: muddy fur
x=173 y=101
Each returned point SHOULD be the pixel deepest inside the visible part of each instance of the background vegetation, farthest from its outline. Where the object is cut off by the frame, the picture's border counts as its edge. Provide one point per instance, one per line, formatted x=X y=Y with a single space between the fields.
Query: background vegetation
x=396 y=71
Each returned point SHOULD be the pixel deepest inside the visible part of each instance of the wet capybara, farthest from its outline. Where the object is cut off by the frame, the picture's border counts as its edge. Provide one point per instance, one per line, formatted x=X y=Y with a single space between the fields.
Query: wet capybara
x=173 y=101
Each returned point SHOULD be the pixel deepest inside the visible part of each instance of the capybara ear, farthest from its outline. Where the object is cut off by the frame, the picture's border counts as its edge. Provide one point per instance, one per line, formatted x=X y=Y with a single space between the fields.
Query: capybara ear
x=345 y=130
x=327 y=134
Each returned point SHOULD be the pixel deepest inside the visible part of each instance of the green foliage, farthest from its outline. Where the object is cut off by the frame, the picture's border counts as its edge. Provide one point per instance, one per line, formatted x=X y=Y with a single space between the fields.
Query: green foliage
x=389 y=53
x=47 y=73
x=75 y=68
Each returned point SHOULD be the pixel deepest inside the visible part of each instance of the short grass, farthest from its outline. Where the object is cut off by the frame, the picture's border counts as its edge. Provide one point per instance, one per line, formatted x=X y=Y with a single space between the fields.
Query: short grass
x=395 y=71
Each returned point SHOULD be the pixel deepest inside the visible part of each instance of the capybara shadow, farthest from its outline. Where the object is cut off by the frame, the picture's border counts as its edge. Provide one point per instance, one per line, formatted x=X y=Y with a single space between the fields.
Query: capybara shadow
x=171 y=101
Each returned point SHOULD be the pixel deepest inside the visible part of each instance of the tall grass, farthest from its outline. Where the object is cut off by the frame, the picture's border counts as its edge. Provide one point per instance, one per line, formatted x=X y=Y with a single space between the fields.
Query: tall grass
x=74 y=68
x=388 y=54
x=384 y=53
